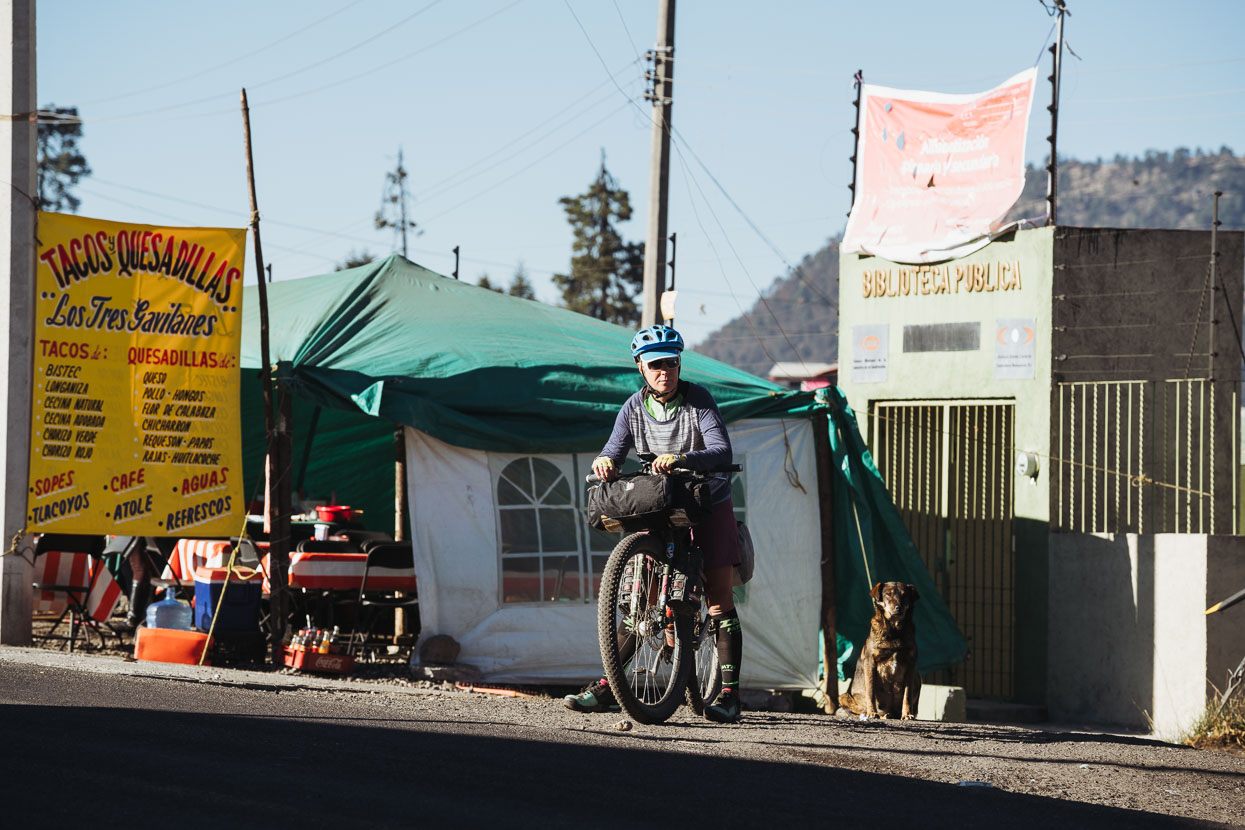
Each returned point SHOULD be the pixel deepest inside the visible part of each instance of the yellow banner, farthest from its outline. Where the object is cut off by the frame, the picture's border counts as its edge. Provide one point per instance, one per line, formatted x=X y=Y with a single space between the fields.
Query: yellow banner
x=136 y=427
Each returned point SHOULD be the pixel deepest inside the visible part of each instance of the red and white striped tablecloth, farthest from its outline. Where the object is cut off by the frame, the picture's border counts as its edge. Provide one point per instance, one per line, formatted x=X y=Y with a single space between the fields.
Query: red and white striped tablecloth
x=341 y=572
x=79 y=569
x=195 y=553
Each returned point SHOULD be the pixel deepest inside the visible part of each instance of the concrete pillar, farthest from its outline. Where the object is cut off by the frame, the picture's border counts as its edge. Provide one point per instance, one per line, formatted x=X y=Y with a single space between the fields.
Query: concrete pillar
x=17 y=253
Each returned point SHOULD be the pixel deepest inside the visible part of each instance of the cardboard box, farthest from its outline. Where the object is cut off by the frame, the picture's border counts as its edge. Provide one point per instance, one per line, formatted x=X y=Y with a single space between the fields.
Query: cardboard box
x=316 y=662
x=170 y=645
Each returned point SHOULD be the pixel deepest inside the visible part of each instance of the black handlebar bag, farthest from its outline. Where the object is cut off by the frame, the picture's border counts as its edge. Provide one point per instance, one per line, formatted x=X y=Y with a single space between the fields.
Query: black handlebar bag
x=642 y=502
x=630 y=504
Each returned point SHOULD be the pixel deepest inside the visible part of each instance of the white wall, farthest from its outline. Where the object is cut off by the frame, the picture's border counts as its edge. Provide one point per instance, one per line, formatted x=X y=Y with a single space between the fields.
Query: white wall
x=1129 y=642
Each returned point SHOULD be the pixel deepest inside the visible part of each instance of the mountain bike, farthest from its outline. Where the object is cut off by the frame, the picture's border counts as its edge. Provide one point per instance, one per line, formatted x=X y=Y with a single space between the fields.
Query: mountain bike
x=657 y=643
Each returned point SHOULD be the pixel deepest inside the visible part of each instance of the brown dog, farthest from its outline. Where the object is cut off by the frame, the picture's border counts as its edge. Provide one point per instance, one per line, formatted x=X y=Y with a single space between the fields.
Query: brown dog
x=886 y=684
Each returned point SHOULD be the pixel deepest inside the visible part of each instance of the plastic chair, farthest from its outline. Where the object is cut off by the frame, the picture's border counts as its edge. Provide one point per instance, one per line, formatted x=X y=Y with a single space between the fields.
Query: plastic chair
x=381 y=557
x=73 y=579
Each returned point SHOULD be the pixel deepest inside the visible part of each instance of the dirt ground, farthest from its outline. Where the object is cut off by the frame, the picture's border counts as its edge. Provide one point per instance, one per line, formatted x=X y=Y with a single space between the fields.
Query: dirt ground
x=1128 y=772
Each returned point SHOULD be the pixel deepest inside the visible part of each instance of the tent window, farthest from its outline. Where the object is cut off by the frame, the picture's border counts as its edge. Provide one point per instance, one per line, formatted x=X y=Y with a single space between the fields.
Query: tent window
x=540 y=557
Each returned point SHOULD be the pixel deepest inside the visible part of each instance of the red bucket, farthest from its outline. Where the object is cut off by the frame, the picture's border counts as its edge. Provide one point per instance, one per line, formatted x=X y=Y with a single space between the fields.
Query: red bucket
x=335 y=513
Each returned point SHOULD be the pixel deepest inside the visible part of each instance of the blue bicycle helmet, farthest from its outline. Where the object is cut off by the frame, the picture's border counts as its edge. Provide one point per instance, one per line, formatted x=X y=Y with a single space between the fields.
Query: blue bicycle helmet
x=655 y=343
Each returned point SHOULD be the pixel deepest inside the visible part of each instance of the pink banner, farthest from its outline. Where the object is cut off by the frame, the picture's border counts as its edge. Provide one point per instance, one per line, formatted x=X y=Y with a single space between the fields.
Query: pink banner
x=937 y=173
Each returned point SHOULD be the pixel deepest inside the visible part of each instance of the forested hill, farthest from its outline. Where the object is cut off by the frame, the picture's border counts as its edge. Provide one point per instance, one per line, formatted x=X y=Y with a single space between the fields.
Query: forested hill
x=798 y=317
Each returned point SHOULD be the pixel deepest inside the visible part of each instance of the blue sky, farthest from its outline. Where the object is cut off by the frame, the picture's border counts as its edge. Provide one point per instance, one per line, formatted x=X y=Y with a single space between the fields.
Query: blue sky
x=503 y=106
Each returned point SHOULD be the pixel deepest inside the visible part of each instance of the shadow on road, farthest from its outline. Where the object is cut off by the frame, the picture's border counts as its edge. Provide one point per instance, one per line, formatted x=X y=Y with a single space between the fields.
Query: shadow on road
x=128 y=767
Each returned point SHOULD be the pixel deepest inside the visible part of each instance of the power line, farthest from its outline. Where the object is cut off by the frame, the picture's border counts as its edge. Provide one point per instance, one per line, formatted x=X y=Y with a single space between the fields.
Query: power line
x=397 y=60
x=1151 y=120
x=794 y=271
x=526 y=167
x=229 y=62
x=630 y=39
x=597 y=52
x=1179 y=97
x=459 y=178
x=290 y=74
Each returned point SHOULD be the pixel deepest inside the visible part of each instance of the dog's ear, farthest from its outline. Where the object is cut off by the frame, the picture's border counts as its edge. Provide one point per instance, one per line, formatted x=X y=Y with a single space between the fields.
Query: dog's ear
x=915 y=593
x=876 y=593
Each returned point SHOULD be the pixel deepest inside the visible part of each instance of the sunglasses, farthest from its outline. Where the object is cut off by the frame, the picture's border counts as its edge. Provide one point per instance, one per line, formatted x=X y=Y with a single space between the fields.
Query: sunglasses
x=667 y=364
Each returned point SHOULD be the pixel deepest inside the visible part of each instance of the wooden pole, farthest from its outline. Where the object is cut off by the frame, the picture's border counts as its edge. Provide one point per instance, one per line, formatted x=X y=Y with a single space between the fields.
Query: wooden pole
x=825 y=507
x=399 y=513
x=278 y=555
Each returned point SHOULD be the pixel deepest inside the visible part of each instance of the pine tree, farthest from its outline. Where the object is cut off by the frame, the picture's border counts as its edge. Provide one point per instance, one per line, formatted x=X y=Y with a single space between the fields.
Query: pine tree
x=354 y=259
x=607 y=274
x=521 y=286
x=60 y=163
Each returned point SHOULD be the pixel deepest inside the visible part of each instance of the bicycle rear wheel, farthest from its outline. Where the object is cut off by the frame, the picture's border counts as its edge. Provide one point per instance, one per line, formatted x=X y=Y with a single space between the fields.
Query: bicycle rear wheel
x=706 y=680
x=646 y=651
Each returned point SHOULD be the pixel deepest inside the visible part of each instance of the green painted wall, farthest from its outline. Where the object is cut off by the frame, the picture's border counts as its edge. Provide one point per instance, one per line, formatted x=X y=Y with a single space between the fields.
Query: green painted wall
x=980 y=288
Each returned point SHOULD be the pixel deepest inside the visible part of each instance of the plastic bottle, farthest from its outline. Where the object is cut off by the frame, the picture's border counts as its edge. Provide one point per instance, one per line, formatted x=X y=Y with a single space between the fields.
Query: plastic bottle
x=170 y=612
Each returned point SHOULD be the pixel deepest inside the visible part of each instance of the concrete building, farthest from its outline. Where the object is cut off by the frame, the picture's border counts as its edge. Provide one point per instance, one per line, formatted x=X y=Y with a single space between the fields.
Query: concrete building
x=1056 y=419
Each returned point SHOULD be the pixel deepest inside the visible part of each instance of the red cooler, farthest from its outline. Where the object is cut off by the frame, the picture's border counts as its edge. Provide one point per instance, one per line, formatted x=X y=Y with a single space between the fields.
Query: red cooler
x=170 y=645
x=240 y=610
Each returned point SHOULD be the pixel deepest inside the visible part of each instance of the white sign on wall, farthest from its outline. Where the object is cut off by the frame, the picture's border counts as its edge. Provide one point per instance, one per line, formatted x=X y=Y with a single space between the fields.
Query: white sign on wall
x=1015 y=348
x=870 y=352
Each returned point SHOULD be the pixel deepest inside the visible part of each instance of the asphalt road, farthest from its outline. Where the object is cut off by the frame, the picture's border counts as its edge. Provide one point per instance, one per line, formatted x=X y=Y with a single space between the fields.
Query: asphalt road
x=90 y=742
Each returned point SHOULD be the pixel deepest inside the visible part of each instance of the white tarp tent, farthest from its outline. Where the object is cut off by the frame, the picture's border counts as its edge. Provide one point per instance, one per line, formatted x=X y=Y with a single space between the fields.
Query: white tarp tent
x=459 y=555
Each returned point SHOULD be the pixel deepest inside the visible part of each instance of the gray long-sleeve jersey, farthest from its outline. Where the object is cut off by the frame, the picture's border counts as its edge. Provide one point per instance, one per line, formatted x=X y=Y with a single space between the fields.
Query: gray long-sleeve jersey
x=696 y=432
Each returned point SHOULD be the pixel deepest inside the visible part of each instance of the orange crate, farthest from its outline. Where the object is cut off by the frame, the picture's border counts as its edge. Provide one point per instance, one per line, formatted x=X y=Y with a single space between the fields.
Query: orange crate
x=314 y=661
x=170 y=645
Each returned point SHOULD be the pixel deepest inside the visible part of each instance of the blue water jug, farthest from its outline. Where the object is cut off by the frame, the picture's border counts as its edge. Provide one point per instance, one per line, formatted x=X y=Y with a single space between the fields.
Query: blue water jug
x=169 y=612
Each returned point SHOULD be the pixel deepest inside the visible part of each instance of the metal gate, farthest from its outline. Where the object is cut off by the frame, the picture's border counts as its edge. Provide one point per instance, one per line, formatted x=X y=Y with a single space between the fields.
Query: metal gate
x=1146 y=456
x=947 y=465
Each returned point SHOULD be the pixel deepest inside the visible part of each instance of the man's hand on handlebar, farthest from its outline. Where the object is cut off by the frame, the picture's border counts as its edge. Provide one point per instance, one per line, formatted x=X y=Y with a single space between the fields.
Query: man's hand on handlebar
x=666 y=462
x=604 y=469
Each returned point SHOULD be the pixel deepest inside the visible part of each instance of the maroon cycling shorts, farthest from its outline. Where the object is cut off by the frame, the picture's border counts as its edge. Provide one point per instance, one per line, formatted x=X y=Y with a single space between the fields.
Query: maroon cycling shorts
x=718 y=537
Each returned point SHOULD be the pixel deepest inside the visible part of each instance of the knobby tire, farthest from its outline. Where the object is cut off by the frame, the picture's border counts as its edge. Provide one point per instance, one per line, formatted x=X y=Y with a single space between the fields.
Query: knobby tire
x=705 y=680
x=648 y=677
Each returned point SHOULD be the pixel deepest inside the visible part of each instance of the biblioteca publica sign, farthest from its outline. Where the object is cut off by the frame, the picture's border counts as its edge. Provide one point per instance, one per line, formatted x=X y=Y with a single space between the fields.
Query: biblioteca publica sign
x=946 y=278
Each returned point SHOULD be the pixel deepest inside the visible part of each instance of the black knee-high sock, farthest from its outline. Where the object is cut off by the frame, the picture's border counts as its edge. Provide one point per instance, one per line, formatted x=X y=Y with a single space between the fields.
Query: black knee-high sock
x=730 y=646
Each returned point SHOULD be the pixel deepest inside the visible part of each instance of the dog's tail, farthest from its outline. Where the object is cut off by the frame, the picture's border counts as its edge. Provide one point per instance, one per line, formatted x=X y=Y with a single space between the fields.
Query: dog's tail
x=848 y=702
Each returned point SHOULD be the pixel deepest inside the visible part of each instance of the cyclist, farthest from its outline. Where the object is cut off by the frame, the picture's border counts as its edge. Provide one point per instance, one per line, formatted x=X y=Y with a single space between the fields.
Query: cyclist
x=679 y=422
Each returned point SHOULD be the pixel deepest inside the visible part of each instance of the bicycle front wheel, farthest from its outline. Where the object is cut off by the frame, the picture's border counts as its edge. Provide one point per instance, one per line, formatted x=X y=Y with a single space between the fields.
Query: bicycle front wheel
x=645 y=649
x=706 y=679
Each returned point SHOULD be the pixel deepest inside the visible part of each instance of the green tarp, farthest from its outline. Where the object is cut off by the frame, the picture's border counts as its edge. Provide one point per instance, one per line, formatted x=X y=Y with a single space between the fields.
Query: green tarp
x=467 y=365
x=394 y=343
x=872 y=545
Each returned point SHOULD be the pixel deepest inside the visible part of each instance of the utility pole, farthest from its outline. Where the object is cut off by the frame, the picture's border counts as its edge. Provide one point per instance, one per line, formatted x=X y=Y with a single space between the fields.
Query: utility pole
x=1052 y=167
x=455 y=262
x=668 y=312
x=662 y=76
x=18 y=135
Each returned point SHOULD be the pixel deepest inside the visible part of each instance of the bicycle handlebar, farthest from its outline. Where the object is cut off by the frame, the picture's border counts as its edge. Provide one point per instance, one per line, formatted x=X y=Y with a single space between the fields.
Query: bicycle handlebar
x=593 y=478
